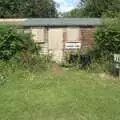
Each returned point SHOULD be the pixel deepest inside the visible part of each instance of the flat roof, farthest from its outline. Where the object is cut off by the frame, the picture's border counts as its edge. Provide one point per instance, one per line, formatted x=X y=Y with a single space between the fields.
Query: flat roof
x=53 y=22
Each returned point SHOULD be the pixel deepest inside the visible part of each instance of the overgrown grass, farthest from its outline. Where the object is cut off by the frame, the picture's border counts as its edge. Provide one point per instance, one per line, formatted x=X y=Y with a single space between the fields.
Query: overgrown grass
x=69 y=95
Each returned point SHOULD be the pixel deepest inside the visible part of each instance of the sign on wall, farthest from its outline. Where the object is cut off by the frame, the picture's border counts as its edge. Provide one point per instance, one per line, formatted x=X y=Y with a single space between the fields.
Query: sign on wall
x=73 y=45
x=117 y=58
x=117 y=61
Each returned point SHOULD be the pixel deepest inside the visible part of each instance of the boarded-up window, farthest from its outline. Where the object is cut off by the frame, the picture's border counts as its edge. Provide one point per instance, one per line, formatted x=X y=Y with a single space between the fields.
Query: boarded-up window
x=27 y=30
x=38 y=34
x=73 y=34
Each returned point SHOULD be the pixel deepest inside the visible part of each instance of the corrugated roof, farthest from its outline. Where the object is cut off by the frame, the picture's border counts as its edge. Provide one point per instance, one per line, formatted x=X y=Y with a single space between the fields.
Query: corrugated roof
x=62 y=22
x=53 y=22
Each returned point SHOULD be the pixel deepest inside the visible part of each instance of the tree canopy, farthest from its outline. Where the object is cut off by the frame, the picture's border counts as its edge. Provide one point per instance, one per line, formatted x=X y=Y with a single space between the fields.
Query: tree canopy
x=73 y=13
x=98 y=8
x=107 y=38
x=95 y=8
x=27 y=8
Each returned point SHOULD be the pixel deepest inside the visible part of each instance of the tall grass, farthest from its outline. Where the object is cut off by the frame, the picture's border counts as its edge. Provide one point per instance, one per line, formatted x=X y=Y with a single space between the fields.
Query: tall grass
x=98 y=64
x=29 y=63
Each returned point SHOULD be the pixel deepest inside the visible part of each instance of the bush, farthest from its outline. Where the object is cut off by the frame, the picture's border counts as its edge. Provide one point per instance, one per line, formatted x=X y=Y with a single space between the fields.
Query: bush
x=19 y=52
x=107 y=43
x=107 y=38
x=13 y=41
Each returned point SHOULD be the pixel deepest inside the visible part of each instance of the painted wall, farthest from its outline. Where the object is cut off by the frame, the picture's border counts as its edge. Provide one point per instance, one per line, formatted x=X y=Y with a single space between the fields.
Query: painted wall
x=38 y=34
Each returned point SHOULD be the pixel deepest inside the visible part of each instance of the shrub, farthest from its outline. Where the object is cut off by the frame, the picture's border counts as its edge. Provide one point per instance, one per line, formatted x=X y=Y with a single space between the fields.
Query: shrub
x=107 y=43
x=107 y=38
x=13 y=41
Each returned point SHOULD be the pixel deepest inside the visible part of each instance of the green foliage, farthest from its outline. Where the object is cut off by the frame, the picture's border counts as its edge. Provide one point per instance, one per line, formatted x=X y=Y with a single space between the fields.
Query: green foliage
x=34 y=62
x=72 y=95
x=107 y=43
x=97 y=64
x=13 y=41
x=73 y=59
x=18 y=51
x=98 y=8
x=6 y=68
x=95 y=8
x=27 y=8
x=101 y=65
x=107 y=38
x=73 y=13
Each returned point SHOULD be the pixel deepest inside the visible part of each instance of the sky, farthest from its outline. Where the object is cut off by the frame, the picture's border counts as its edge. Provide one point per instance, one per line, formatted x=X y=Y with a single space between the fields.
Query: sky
x=66 y=5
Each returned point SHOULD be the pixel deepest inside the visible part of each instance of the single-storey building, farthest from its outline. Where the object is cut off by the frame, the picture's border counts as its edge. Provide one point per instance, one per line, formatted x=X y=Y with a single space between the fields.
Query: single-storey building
x=56 y=35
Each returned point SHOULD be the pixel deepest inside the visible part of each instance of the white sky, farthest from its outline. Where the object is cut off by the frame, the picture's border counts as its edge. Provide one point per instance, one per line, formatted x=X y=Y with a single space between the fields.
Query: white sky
x=66 y=5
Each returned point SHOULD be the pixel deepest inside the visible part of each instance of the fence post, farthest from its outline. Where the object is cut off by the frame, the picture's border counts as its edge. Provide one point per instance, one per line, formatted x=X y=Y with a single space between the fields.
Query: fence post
x=117 y=63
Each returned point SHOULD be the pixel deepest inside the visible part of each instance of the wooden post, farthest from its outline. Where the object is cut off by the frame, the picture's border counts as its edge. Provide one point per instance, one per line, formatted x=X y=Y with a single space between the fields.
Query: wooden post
x=117 y=61
x=119 y=73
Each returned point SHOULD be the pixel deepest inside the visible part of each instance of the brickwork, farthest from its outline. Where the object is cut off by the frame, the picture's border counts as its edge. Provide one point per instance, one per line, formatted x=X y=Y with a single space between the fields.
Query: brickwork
x=87 y=36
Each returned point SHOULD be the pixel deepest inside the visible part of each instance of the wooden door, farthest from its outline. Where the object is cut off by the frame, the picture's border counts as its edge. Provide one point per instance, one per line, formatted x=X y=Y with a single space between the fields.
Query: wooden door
x=55 y=40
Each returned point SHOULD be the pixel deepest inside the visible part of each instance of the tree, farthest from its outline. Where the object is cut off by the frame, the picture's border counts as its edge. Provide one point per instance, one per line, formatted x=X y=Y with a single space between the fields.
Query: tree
x=97 y=8
x=27 y=8
x=73 y=13
x=107 y=37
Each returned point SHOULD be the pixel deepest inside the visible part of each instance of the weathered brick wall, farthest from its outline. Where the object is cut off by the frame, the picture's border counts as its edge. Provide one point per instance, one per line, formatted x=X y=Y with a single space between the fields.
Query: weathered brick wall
x=87 y=36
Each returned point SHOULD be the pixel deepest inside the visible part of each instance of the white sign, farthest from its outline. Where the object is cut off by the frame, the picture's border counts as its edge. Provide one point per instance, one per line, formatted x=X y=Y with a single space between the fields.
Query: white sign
x=117 y=58
x=73 y=45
